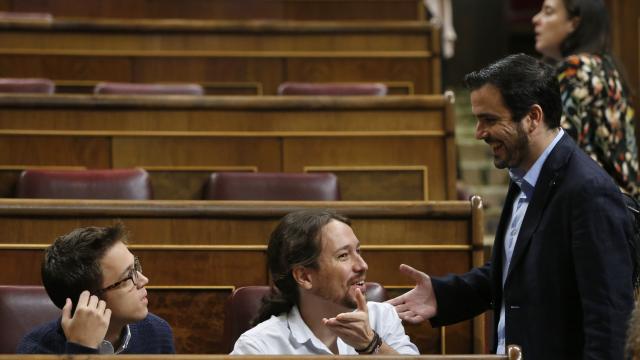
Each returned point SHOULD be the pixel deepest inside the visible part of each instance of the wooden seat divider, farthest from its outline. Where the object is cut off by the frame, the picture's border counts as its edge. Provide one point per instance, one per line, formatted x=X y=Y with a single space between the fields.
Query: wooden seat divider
x=201 y=244
x=393 y=134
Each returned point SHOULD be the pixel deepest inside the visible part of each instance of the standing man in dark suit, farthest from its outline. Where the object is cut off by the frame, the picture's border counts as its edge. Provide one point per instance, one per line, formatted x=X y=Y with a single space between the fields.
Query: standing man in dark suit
x=559 y=279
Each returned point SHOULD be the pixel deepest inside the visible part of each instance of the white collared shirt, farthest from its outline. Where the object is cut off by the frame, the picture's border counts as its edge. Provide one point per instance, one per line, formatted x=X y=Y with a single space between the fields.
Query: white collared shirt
x=288 y=334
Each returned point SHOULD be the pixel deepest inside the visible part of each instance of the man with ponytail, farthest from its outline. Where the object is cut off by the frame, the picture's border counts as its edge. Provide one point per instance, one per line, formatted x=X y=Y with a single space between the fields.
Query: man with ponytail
x=317 y=303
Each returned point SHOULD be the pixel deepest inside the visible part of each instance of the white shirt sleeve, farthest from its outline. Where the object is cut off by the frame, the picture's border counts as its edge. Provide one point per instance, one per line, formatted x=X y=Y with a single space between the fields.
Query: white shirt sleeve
x=388 y=325
x=246 y=345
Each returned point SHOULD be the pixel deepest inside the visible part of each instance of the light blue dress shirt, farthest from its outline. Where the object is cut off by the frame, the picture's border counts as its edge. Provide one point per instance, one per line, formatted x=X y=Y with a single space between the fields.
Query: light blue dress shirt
x=527 y=184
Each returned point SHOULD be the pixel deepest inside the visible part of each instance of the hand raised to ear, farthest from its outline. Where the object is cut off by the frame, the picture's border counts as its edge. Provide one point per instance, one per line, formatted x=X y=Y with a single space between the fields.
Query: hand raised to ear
x=89 y=323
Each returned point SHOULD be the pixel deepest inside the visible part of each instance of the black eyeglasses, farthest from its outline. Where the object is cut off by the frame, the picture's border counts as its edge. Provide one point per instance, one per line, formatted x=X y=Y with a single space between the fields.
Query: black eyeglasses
x=133 y=276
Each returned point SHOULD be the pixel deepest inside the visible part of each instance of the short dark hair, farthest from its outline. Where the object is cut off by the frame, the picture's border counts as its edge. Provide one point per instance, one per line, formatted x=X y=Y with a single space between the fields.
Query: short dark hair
x=523 y=81
x=294 y=242
x=592 y=33
x=72 y=263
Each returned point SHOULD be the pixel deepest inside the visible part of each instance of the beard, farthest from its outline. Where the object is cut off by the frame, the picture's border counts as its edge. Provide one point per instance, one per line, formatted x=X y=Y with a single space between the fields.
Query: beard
x=345 y=300
x=515 y=152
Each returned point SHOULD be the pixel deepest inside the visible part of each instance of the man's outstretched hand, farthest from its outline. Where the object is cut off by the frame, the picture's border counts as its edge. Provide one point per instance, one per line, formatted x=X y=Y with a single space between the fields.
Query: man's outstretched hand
x=419 y=304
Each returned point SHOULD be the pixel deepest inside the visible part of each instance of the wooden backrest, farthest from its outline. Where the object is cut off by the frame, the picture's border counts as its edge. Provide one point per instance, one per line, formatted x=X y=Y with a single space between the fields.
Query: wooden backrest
x=212 y=244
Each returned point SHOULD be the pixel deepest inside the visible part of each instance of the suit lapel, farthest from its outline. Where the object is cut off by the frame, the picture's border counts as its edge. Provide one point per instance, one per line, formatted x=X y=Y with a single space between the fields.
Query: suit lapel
x=498 y=245
x=498 y=248
x=550 y=177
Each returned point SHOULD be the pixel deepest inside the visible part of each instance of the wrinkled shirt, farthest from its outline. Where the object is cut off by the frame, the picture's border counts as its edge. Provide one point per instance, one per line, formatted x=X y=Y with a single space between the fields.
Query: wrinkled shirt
x=288 y=334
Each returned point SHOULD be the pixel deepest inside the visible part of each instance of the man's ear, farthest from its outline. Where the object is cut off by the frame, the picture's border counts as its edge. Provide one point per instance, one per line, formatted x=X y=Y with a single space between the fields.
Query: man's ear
x=536 y=117
x=303 y=277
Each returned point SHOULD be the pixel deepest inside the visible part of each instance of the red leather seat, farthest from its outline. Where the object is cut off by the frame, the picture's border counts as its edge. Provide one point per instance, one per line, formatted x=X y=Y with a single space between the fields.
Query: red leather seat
x=27 y=85
x=114 y=88
x=272 y=186
x=245 y=302
x=21 y=309
x=293 y=88
x=133 y=184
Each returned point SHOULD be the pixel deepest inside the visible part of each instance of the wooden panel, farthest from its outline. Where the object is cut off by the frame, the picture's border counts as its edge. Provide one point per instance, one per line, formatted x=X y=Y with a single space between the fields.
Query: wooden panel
x=384 y=263
x=66 y=68
x=8 y=181
x=227 y=9
x=198 y=330
x=371 y=151
x=420 y=71
x=32 y=221
x=263 y=153
x=188 y=35
x=230 y=113
x=162 y=267
x=379 y=183
x=185 y=183
x=94 y=152
x=231 y=265
x=626 y=46
x=269 y=69
x=413 y=131
x=259 y=132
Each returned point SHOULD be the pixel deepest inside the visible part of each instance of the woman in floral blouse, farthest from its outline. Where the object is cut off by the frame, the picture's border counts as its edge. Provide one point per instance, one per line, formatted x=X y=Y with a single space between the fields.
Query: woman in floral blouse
x=597 y=112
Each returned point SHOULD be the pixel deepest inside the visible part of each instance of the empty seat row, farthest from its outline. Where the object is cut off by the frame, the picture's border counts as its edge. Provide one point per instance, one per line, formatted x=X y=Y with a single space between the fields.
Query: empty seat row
x=46 y=86
x=135 y=184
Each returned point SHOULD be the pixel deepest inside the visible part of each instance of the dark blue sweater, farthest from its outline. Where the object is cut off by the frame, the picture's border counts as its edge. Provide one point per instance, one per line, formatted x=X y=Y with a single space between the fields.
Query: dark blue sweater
x=152 y=335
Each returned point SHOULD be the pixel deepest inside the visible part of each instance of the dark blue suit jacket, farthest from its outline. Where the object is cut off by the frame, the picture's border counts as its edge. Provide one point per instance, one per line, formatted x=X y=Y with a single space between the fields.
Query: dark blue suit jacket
x=568 y=292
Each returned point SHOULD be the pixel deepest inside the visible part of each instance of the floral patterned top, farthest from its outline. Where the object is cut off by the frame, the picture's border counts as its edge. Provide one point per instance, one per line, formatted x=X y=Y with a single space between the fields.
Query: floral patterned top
x=597 y=114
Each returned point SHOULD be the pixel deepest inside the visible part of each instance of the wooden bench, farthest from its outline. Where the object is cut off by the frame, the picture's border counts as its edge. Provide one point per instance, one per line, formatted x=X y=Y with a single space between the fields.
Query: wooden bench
x=269 y=68
x=199 y=246
x=396 y=140
x=300 y=47
x=227 y=9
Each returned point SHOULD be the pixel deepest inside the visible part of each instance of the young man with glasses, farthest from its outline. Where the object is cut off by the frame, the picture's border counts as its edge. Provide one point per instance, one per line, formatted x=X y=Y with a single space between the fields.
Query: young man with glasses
x=96 y=281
